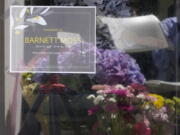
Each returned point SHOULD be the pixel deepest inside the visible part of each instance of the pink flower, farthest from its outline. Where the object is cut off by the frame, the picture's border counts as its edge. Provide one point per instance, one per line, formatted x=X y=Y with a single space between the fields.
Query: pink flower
x=122 y=93
x=148 y=131
x=146 y=121
x=93 y=110
x=107 y=91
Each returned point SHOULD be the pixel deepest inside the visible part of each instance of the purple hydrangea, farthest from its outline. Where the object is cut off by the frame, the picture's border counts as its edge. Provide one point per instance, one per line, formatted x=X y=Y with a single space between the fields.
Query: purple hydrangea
x=114 y=66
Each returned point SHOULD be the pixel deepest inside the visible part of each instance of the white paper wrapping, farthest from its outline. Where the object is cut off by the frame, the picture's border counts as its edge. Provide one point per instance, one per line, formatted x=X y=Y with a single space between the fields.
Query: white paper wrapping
x=136 y=34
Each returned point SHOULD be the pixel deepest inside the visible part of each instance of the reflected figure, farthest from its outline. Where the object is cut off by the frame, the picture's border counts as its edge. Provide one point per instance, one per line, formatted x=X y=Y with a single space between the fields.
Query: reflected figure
x=165 y=60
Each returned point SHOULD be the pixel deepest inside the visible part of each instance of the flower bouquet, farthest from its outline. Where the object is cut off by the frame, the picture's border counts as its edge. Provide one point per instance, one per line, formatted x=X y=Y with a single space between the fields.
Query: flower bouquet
x=126 y=109
x=132 y=110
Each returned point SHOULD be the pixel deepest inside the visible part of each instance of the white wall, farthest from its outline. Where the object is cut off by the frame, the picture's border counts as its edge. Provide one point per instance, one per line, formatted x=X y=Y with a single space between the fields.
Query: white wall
x=12 y=85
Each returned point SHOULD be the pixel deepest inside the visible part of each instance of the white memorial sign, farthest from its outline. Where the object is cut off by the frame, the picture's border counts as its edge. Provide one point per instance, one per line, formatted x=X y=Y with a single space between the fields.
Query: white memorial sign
x=52 y=39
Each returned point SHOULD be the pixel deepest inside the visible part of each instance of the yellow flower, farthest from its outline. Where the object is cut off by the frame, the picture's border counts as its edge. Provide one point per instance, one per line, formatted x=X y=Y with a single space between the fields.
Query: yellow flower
x=159 y=100
x=158 y=104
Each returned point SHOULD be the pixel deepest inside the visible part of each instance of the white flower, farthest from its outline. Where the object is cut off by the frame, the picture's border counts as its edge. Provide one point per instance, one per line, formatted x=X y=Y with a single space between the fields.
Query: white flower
x=165 y=117
x=113 y=116
x=119 y=86
x=113 y=100
x=98 y=99
x=37 y=19
x=161 y=116
x=100 y=92
x=140 y=96
x=109 y=129
x=91 y=97
x=102 y=117
x=146 y=107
